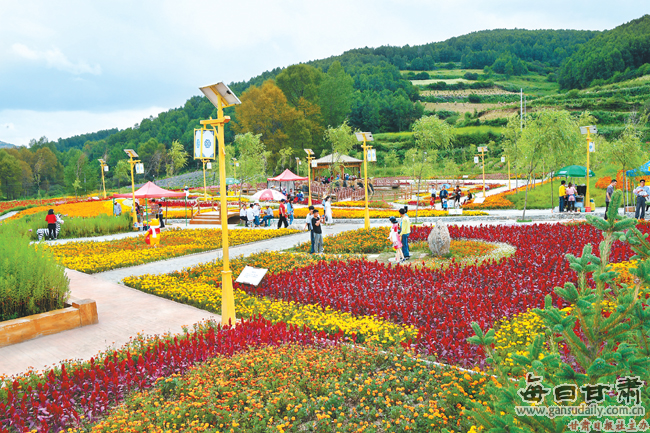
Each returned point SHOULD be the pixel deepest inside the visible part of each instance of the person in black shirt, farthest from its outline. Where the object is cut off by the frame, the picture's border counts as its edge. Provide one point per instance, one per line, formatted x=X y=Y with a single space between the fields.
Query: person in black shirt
x=318 y=232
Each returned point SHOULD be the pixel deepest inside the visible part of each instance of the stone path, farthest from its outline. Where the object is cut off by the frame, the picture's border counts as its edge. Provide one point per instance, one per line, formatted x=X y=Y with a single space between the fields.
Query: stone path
x=123 y=312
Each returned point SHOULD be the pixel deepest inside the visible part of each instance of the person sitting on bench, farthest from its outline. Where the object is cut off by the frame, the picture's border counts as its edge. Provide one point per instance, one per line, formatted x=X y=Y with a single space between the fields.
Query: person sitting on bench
x=268 y=216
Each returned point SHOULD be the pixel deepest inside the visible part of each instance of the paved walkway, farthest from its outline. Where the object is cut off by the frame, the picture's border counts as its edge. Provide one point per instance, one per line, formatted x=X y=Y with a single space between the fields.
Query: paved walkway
x=179 y=263
x=123 y=312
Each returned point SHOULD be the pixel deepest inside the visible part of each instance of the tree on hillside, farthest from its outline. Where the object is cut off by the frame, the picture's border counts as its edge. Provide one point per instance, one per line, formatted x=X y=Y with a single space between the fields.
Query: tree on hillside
x=265 y=111
x=341 y=139
x=299 y=81
x=122 y=172
x=252 y=159
x=335 y=95
x=177 y=158
x=627 y=151
x=431 y=135
x=550 y=137
x=9 y=174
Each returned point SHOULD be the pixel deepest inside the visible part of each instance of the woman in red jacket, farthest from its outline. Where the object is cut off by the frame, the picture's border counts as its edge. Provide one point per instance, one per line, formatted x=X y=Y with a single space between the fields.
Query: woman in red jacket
x=51 y=223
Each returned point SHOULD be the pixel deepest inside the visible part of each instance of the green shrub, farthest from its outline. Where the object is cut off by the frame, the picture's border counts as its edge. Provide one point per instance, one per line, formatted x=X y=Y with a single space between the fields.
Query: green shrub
x=31 y=281
x=583 y=347
x=75 y=227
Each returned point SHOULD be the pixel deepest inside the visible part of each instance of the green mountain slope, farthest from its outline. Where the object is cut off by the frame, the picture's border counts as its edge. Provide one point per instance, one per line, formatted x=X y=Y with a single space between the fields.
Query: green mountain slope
x=616 y=55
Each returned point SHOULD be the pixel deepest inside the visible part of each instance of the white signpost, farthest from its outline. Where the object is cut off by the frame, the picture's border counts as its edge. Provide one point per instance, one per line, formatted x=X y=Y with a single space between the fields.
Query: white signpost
x=251 y=275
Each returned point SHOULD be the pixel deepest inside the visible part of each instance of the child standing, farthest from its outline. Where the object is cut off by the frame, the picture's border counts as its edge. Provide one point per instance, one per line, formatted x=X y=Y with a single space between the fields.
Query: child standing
x=394 y=237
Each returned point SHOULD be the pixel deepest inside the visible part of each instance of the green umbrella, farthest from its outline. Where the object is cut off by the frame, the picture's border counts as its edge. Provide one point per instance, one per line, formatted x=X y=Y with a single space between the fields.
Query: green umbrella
x=574 y=171
x=231 y=181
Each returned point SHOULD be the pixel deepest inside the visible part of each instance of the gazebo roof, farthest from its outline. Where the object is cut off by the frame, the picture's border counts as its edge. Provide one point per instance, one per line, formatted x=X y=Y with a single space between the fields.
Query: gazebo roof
x=287 y=176
x=151 y=190
x=334 y=158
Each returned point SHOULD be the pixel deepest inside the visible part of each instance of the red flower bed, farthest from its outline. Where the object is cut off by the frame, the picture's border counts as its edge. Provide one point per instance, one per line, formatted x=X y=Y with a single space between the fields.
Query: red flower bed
x=59 y=401
x=442 y=304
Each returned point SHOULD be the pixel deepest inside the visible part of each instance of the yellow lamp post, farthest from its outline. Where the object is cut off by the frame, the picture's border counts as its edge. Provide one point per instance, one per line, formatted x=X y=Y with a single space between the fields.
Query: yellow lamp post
x=310 y=156
x=104 y=167
x=588 y=130
x=139 y=169
x=503 y=159
x=483 y=150
x=365 y=137
x=221 y=96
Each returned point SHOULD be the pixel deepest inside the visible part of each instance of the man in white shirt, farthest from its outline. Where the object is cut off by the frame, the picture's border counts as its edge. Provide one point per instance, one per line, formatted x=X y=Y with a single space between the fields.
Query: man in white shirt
x=250 y=217
x=256 y=214
x=310 y=228
x=641 y=192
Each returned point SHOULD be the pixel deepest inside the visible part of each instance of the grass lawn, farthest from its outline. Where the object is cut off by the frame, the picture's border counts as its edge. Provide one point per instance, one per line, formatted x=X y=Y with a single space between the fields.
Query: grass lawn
x=540 y=197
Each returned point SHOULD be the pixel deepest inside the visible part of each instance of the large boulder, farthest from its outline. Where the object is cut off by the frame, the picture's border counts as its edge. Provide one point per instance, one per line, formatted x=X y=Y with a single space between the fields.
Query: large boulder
x=439 y=240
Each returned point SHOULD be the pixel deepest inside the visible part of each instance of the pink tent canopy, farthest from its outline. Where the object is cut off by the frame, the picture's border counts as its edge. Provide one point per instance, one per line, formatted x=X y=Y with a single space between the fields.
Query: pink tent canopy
x=150 y=190
x=287 y=176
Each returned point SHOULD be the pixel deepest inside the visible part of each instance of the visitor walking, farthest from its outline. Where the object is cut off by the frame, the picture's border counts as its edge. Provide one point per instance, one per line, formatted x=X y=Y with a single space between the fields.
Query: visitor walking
x=282 y=219
x=562 y=196
x=250 y=216
x=318 y=233
x=641 y=193
x=394 y=238
x=571 y=194
x=309 y=227
x=608 y=195
x=443 y=198
x=327 y=206
x=290 y=211
x=138 y=212
x=405 y=231
x=50 y=219
x=257 y=210
x=117 y=208
x=457 y=195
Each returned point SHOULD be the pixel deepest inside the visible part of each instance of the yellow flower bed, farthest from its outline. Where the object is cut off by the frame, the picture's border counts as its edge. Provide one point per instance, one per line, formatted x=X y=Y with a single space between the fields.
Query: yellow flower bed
x=375 y=213
x=91 y=257
x=189 y=288
x=84 y=209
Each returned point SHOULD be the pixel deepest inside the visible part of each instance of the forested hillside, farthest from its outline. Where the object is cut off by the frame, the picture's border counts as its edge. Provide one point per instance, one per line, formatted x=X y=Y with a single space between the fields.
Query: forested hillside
x=616 y=55
x=471 y=81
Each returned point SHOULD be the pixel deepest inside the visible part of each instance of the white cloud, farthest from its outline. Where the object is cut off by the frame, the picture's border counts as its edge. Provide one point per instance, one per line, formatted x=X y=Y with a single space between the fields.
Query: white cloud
x=55 y=59
x=20 y=126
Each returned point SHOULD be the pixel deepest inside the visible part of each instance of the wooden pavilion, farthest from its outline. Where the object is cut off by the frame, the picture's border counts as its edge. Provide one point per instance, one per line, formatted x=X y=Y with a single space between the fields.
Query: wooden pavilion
x=326 y=163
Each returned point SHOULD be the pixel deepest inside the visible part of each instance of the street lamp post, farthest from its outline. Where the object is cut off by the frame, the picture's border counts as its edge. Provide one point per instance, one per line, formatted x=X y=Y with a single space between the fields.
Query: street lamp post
x=138 y=165
x=221 y=96
x=483 y=150
x=503 y=159
x=310 y=156
x=365 y=137
x=104 y=167
x=588 y=130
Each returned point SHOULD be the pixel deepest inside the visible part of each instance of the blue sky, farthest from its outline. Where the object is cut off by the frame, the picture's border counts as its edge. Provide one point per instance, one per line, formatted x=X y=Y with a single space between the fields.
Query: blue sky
x=69 y=67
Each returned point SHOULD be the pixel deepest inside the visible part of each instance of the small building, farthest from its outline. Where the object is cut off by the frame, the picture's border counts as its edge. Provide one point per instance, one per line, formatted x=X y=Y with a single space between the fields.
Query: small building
x=334 y=159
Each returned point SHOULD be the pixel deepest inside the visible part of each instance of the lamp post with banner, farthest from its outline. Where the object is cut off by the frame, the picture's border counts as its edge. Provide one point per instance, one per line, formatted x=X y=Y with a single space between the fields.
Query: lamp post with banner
x=310 y=157
x=104 y=167
x=369 y=154
x=139 y=169
x=204 y=144
x=221 y=97
x=591 y=147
